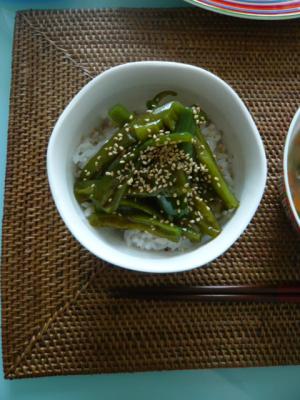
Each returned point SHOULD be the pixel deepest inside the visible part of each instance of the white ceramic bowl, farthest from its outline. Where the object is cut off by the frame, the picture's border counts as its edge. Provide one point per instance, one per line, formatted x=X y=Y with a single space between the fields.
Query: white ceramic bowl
x=287 y=195
x=132 y=84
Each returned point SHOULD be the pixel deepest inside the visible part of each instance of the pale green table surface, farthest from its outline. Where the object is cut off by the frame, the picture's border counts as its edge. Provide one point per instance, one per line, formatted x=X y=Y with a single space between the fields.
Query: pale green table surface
x=276 y=383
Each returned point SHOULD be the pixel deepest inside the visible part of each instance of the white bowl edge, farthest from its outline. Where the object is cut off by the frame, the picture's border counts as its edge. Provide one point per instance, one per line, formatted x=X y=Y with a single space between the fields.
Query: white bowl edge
x=185 y=261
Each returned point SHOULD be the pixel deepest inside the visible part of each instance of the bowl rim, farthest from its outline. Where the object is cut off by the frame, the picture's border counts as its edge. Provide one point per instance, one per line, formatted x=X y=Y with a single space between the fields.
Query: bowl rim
x=156 y=265
x=287 y=145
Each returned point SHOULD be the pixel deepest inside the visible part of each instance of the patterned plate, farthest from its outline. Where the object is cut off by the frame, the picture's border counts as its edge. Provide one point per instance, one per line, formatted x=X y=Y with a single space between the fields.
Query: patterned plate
x=255 y=9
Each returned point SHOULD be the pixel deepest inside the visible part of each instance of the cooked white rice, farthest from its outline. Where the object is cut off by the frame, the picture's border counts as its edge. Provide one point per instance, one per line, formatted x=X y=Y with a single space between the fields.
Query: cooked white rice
x=89 y=146
x=143 y=240
x=146 y=241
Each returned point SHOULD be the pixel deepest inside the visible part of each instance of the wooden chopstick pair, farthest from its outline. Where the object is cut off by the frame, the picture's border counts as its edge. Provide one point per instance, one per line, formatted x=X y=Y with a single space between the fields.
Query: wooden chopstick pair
x=278 y=294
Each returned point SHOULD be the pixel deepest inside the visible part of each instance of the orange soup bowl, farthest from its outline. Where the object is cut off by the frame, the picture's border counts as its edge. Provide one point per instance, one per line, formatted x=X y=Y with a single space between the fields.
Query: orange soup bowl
x=291 y=194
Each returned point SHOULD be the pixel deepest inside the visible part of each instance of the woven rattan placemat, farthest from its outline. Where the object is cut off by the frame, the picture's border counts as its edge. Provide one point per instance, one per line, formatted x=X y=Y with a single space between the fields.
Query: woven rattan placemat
x=57 y=316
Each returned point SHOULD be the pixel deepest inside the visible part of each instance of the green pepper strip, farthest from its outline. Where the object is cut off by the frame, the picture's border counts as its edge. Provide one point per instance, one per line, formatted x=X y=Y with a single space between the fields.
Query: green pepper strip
x=169 y=113
x=191 y=234
x=112 y=196
x=186 y=123
x=115 y=196
x=83 y=190
x=129 y=205
x=98 y=190
x=204 y=227
x=218 y=182
x=206 y=212
x=172 y=138
x=104 y=192
x=104 y=156
x=107 y=190
x=172 y=230
x=113 y=202
x=143 y=129
x=160 y=141
x=139 y=223
x=199 y=204
x=209 y=220
x=158 y=98
x=208 y=229
x=151 y=123
x=161 y=192
x=120 y=115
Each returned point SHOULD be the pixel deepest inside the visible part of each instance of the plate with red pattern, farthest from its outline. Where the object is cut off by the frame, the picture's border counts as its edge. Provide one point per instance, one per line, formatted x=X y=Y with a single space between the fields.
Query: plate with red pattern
x=255 y=9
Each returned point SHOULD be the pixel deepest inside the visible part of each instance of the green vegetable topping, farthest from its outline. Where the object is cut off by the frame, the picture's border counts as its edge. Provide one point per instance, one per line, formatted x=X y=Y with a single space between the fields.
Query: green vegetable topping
x=157 y=174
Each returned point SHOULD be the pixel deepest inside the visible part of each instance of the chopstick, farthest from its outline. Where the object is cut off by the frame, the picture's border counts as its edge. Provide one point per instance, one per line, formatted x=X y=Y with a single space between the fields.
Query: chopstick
x=247 y=293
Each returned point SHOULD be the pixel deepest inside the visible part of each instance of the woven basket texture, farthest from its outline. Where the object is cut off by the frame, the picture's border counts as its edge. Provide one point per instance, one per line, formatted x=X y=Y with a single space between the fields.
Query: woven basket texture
x=58 y=317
